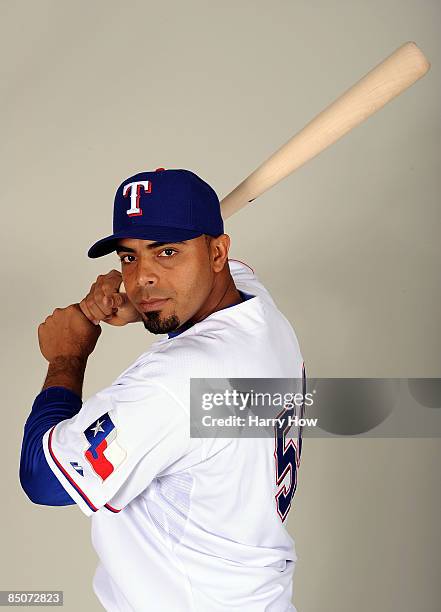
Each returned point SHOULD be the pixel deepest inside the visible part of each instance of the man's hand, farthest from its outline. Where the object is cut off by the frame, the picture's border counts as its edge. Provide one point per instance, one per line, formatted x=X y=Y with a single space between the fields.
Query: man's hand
x=67 y=333
x=104 y=303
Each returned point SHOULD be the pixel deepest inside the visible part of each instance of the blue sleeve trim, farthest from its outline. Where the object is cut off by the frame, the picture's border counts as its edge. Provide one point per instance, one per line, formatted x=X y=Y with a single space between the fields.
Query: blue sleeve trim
x=40 y=484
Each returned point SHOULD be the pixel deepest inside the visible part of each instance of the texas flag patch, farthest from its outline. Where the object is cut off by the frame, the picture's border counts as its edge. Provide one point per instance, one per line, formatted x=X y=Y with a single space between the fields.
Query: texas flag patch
x=104 y=453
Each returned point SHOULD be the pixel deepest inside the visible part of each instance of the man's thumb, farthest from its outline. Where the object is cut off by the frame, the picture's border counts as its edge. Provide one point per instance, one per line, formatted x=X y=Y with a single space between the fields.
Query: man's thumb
x=118 y=300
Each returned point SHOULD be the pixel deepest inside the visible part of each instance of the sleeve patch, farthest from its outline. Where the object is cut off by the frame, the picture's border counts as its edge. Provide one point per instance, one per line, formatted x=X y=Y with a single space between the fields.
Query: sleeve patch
x=104 y=453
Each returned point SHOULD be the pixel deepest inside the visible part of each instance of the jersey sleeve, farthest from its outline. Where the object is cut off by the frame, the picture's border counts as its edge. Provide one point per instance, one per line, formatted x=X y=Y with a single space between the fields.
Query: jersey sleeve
x=121 y=439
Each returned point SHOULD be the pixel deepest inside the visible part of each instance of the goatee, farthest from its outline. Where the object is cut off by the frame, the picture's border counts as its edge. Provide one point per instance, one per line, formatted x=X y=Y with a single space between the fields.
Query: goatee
x=154 y=324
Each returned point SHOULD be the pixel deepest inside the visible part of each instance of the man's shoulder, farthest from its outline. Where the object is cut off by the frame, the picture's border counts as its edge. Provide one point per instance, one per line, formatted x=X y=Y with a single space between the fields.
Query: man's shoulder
x=246 y=279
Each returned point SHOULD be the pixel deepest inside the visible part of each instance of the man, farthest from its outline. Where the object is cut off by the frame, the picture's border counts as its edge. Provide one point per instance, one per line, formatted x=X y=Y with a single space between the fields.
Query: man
x=179 y=523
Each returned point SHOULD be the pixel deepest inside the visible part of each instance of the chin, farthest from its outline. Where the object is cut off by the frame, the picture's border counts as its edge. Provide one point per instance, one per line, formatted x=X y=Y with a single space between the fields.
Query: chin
x=156 y=324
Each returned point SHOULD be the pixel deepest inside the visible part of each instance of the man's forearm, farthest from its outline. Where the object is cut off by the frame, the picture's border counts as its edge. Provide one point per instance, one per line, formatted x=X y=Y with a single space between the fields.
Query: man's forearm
x=66 y=372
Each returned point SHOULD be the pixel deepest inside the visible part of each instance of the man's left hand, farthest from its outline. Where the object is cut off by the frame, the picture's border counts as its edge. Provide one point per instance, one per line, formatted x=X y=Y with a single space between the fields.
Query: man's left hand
x=67 y=332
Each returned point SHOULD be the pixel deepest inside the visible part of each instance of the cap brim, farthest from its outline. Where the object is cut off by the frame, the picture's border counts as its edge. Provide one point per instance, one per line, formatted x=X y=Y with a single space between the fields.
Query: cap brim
x=162 y=234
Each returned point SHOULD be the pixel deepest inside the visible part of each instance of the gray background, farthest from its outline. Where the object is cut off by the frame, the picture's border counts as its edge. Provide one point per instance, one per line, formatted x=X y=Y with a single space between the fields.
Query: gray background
x=348 y=246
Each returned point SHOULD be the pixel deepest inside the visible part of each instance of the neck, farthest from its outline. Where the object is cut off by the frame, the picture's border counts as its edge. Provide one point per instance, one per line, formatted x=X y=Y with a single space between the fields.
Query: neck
x=223 y=294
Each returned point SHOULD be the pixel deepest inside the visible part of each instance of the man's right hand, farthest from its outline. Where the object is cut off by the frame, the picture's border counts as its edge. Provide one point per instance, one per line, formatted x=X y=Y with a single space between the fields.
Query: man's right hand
x=105 y=303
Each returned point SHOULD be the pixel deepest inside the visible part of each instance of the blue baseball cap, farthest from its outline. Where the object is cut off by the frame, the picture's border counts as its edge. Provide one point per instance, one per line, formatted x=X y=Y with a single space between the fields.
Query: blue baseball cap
x=164 y=205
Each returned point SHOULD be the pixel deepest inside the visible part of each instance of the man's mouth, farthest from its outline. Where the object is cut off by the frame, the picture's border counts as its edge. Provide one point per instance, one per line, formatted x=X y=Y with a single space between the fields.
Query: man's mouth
x=152 y=304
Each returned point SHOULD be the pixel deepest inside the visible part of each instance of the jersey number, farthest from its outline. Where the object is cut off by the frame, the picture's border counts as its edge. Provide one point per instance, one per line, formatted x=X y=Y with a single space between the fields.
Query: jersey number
x=287 y=457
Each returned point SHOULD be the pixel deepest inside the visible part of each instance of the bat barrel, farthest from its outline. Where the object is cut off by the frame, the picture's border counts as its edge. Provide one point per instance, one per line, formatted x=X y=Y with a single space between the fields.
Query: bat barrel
x=383 y=83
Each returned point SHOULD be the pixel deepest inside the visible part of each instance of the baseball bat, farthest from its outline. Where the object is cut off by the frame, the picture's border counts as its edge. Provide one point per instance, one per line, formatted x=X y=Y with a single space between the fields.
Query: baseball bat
x=387 y=80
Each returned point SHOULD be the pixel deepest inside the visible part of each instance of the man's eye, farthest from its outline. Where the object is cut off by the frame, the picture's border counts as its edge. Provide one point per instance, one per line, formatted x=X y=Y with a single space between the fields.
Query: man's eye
x=165 y=251
x=123 y=258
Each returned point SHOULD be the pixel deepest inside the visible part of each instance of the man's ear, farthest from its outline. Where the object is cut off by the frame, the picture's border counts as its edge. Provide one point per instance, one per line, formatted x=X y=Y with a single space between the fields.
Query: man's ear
x=219 y=248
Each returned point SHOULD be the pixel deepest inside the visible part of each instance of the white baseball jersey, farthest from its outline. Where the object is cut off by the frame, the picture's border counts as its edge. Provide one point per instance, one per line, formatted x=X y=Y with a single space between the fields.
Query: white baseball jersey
x=186 y=524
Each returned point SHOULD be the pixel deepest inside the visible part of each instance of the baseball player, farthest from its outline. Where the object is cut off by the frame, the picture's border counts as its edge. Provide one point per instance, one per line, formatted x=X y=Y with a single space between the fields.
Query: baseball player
x=179 y=523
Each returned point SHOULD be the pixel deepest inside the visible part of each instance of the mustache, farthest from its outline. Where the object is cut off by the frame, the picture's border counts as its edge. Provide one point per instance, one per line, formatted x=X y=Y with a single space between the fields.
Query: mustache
x=145 y=298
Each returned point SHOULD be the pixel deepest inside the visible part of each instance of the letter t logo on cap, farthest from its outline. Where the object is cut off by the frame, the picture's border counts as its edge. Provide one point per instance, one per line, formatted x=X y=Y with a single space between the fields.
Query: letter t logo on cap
x=134 y=189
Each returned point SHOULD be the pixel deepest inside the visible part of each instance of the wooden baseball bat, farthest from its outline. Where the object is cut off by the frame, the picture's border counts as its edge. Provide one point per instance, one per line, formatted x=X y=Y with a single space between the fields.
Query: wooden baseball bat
x=391 y=77
x=383 y=83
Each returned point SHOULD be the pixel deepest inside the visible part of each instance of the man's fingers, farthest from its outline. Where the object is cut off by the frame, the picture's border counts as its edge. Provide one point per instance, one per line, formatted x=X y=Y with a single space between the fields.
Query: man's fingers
x=111 y=302
x=108 y=299
x=95 y=309
x=91 y=310
x=109 y=283
x=103 y=298
x=118 y=300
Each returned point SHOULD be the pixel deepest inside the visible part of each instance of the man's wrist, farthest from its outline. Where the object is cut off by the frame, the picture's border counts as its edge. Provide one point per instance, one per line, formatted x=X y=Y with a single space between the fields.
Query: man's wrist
x=66 y=371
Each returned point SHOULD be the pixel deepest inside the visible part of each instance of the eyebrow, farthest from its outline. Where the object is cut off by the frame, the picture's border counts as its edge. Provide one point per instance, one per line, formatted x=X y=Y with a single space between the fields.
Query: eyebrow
x=154 y=245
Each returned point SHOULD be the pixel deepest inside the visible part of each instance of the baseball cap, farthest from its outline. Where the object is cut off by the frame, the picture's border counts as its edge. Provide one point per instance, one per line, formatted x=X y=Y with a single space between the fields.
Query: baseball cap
x=163 y=205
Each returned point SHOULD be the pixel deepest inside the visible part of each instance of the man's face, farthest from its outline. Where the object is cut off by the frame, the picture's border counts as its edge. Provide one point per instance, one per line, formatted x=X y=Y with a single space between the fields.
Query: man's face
x=179 y=273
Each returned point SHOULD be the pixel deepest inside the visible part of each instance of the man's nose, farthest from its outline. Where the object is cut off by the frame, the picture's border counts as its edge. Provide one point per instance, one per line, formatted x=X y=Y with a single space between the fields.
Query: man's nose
x=145 y=276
